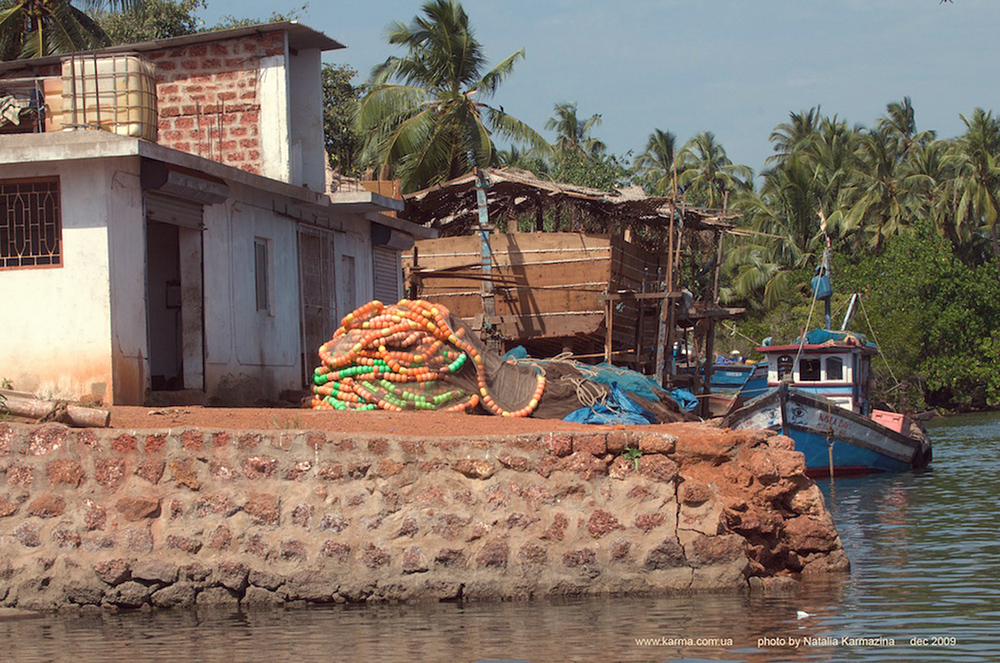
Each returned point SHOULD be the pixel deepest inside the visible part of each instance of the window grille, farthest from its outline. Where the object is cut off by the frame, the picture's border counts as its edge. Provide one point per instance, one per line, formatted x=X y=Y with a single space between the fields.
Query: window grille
x=30 y=223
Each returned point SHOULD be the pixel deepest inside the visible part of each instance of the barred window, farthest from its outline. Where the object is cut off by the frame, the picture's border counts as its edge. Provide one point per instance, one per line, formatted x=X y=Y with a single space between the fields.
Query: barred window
x=30 y=223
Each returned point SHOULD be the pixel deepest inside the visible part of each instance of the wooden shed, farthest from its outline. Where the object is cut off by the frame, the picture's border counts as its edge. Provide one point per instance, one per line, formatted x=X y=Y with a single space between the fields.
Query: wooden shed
x=598 y=284
x=549 y=290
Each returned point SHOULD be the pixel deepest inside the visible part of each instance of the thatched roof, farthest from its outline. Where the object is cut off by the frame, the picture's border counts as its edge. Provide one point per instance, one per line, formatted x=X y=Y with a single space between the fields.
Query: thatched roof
x=452 y=209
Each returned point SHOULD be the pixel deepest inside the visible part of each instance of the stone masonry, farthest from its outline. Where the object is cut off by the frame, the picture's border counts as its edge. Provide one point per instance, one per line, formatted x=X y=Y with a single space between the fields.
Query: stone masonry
x=171 y=518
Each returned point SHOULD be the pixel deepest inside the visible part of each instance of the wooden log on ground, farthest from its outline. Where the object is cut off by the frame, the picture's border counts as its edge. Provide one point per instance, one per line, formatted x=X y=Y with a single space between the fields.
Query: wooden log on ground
x=74 y=415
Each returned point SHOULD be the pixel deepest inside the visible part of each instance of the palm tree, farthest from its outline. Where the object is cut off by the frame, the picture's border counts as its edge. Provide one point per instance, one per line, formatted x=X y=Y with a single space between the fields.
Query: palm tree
x=899 y=122
x=35 y=28
x=425 y=115
x=572 y=134
x=882 y=197
x=977 y=174
x=656 y=164
x=707 y=173
x=791 y=135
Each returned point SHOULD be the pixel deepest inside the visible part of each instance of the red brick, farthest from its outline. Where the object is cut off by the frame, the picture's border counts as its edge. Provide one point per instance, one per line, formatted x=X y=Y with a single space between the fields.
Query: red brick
x=170 y=111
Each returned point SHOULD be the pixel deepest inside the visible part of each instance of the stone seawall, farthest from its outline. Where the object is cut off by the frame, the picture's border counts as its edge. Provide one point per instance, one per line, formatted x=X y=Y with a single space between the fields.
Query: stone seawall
x=169 y=518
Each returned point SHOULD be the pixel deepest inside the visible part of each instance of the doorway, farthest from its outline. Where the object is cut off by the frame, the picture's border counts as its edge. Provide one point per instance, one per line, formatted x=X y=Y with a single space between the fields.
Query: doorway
x=174 y=302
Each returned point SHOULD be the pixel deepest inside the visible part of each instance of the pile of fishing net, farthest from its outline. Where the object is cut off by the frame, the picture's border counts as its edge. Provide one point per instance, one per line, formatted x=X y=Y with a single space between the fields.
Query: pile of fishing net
x=415 y=355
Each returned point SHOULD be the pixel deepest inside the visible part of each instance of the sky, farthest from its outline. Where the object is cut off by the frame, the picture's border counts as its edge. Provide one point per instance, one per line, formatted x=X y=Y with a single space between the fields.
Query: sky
x=736 y=68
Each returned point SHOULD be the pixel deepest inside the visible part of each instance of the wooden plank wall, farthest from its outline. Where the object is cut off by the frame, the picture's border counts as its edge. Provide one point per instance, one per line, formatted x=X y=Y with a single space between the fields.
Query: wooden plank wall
x=547 y=285
x=635 y=327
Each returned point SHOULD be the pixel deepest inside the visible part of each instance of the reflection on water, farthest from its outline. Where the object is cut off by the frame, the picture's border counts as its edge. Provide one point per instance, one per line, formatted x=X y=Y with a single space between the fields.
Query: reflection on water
x=925 y=576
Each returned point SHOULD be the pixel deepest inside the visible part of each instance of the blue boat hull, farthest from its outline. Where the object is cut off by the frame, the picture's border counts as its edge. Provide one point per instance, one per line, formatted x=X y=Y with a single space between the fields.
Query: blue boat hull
x=834 y=440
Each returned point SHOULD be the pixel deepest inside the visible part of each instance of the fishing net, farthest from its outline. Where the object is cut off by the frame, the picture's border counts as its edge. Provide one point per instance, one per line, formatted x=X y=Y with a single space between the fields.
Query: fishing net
x=417 y=356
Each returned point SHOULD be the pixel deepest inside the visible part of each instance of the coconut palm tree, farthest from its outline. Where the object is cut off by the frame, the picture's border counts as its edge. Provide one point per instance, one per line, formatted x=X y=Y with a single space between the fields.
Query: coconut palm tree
x=425 y=115
x=573 y=134
x=900 y=123
x=790 y=136
x=706 y=172
x=35 y=28
x=656 y=164
x=976 y=159
x=881 y=200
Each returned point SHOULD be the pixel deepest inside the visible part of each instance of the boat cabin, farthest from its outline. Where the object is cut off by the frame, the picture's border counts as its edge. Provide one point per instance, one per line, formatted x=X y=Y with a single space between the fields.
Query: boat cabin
x=834 y=365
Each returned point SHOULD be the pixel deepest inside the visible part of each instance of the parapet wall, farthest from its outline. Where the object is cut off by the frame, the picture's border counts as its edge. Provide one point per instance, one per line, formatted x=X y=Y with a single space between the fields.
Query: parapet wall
x=177 y=517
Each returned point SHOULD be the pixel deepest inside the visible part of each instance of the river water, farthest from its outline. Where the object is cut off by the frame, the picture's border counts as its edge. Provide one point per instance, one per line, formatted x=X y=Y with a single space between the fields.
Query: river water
x=924 y=586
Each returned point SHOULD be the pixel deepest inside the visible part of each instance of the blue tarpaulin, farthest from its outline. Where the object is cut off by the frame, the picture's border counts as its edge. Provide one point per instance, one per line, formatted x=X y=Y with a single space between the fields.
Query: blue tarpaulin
x=617 y=408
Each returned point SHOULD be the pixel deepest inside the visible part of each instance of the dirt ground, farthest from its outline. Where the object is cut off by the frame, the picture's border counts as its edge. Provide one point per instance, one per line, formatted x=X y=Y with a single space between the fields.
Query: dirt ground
x=378 y=421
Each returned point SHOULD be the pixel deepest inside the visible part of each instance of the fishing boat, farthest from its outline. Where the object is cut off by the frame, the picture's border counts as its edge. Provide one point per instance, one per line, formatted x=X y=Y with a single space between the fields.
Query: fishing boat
x=819 y=395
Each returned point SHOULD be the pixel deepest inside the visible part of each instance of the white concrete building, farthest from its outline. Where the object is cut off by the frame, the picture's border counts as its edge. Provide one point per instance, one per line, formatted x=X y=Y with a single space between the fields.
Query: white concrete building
x=129 y=267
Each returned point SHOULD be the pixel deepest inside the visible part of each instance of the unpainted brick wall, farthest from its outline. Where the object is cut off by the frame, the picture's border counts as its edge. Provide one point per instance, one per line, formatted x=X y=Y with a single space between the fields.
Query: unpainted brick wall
x=208 y=98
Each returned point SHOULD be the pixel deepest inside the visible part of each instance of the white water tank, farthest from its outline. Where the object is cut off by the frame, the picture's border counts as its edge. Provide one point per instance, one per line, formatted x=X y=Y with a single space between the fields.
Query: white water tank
x=116 y=93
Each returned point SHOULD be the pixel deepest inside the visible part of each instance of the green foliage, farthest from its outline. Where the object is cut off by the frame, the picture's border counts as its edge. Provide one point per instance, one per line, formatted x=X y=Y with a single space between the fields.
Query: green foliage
x=424 y=115
x=937 y=319
x=35 y=28
x=230 y=21
x=340 y=106
x=157 y=19
x=633 y=454
x=601 y=171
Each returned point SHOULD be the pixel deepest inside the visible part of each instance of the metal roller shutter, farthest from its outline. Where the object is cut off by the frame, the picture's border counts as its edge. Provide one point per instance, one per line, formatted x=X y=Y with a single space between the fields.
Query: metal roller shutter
x=173 y=210
x=388 y=277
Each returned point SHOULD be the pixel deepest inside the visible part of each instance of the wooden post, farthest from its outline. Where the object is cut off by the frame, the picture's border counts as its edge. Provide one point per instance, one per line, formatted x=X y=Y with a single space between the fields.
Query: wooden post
x=706 y=387
x=665 y=332
x=608 y=324
x=414 y=286
x=489 y=303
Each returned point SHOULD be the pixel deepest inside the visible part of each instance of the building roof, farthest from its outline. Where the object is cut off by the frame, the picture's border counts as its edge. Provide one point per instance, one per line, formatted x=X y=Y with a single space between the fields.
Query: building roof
x=299 y=37
x=452 y=207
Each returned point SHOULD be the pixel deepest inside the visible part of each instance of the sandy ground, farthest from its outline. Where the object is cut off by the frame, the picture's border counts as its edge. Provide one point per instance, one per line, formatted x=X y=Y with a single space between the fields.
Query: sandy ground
x=396 y=423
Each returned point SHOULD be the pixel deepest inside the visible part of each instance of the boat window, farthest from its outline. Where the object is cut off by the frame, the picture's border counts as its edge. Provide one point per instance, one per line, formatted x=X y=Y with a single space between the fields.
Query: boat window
x=784 y=366
x=809 y=370
x=834 y=368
